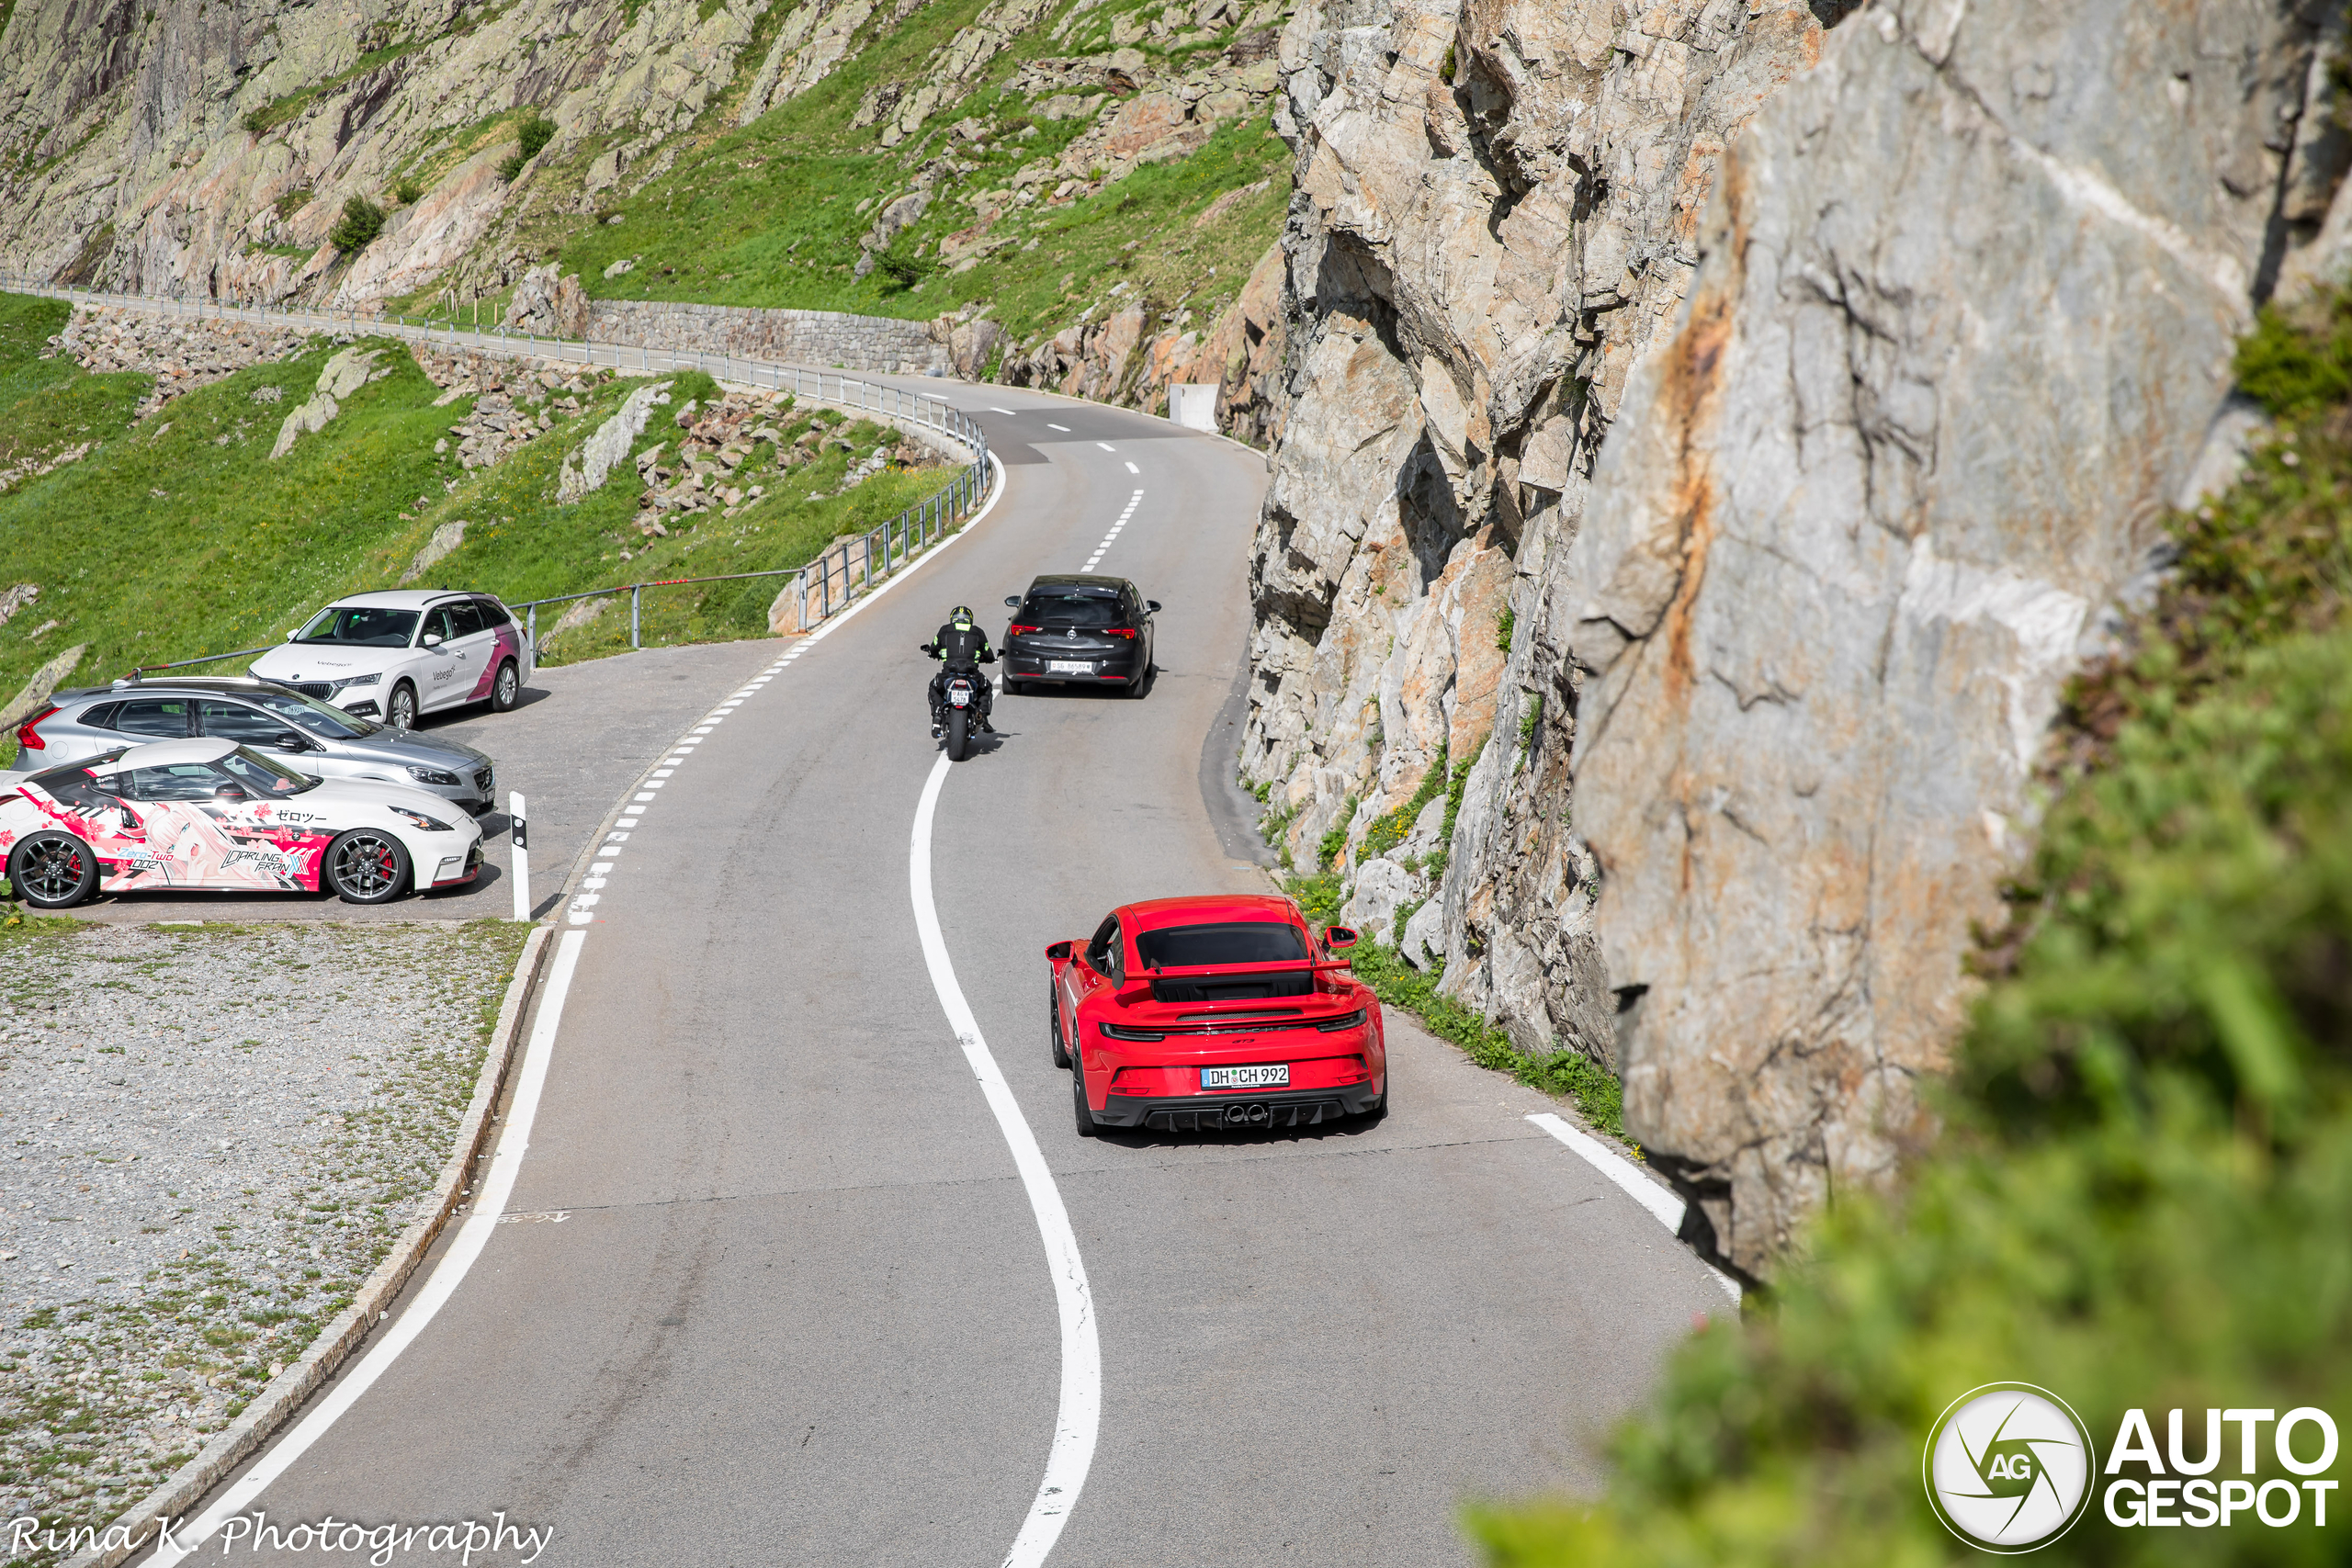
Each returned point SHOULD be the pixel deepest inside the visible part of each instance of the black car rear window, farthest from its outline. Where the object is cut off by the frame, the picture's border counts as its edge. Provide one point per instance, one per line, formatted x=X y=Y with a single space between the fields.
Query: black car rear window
x=1073 y=610
x=1238 y=942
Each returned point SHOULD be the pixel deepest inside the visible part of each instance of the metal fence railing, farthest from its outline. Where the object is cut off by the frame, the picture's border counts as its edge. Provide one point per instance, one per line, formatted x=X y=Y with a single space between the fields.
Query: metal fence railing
x=898 y=540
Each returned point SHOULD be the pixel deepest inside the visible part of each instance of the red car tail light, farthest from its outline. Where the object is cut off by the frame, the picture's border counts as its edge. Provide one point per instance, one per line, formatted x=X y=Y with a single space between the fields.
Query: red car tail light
x=1017 y=630
x=27 y=737
x=1128 y=632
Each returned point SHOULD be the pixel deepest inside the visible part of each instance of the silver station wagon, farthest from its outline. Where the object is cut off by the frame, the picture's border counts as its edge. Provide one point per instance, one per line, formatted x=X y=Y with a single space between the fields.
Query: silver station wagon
x=309 y=736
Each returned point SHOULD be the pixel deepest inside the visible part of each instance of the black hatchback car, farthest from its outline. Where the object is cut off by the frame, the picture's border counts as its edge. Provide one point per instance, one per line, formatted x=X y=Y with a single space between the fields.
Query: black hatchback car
x=1081 y=630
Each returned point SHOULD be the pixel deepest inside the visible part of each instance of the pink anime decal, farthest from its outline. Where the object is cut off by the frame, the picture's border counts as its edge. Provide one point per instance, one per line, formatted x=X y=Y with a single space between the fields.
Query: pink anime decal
x=508 y=645
x=193 y=841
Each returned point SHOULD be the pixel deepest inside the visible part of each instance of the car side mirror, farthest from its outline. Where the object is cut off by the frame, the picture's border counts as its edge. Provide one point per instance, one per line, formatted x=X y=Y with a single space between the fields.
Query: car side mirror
x=431 y=640
x=1012 y=601
x=289 y=741
x=1058 y=953
x=1338 y=937
x=1152 y=604
x=230 y=792
x=289 y=636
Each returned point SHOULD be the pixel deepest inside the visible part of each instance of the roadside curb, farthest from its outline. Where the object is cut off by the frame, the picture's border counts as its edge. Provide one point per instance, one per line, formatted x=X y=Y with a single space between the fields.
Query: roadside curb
x=291 y=1389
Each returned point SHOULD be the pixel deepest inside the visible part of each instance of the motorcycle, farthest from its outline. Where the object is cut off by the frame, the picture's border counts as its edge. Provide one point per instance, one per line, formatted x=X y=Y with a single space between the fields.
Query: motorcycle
x=960 y=708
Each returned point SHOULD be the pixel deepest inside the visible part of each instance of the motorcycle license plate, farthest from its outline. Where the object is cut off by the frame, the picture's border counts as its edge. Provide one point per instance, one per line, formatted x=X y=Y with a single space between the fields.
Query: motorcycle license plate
x=1070 y=667
x=1273 y=1076
x=960 y=697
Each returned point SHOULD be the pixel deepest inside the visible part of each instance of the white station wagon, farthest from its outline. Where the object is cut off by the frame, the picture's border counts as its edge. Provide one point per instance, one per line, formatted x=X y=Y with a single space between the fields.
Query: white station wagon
x=397 y=654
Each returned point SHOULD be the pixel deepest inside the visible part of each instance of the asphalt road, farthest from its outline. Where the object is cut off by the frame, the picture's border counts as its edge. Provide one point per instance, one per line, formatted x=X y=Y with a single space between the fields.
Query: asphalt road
x=772 y=1290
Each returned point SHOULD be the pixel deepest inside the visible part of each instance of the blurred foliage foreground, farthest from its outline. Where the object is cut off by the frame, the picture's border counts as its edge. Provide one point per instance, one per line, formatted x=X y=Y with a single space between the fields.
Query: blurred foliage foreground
x=2142 y=1198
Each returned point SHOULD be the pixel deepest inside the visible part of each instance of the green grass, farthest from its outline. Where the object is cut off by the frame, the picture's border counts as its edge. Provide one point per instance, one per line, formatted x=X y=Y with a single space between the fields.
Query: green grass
x=235 y=548
x=766 y=215
x=2142 y=1195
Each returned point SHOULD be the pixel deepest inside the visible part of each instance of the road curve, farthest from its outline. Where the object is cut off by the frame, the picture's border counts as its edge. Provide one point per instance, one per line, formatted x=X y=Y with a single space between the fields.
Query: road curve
x=770 y=1288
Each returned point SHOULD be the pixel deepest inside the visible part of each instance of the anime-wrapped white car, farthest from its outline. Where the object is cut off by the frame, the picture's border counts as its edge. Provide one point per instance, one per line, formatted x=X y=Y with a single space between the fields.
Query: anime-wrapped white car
x=214 y=816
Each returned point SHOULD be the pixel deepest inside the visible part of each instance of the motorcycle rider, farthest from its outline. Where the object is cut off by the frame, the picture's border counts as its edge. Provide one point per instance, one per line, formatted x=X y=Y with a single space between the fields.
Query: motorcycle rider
x=960 y=646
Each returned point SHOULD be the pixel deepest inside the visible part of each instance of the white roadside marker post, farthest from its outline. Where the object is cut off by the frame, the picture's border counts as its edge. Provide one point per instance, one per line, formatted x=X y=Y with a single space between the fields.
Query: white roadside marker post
x=520 y=829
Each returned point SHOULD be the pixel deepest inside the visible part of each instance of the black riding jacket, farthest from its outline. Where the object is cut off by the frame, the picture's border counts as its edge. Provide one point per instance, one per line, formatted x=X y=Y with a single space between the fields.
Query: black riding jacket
x=967 y=650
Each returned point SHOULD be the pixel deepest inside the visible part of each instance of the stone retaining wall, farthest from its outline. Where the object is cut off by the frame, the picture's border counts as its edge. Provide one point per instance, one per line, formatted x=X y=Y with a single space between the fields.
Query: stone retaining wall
x=828 y=338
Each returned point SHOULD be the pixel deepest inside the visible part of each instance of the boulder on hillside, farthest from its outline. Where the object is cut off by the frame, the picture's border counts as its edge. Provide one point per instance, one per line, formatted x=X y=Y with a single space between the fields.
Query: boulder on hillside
x=546 y=304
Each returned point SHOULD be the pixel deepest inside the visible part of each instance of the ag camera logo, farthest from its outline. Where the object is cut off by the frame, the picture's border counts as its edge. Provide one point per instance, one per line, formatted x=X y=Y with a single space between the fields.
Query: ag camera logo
x=2009 y=1467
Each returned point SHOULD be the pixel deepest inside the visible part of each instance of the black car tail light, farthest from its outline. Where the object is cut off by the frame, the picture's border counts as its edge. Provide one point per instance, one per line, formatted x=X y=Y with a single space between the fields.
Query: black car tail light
x=1119 y=1032
x=27 y=737
x=1341 y=1025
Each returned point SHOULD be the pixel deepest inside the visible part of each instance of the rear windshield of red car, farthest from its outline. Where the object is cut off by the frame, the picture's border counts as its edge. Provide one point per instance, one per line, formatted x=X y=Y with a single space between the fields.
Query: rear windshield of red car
x=1237 y=941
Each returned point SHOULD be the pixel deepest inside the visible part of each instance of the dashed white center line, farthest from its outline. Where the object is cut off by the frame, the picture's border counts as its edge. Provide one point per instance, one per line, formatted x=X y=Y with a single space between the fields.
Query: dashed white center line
x=1133 y=470
x=1007 y=412
x=1063 y=428
x=1106 y=446
x=1134 y=500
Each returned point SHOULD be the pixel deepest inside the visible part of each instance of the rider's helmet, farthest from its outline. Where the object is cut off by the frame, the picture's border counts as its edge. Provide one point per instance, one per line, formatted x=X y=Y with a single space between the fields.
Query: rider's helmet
x=960 y=617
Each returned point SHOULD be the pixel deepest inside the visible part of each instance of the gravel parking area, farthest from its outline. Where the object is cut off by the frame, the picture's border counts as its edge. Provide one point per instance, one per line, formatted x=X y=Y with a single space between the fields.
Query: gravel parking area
x=213 y=1134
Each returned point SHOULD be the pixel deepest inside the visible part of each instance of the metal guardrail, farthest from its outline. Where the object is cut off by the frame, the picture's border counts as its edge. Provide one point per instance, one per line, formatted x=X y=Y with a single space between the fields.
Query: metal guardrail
x=899 y=539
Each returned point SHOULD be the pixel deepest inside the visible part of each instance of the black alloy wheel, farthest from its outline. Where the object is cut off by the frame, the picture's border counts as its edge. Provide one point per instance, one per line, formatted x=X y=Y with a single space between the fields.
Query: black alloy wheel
x=399 y=709
x=1054 y=1012
x=1087 y=1127
x=507 y=688
x=366 y=866
x=53 y=871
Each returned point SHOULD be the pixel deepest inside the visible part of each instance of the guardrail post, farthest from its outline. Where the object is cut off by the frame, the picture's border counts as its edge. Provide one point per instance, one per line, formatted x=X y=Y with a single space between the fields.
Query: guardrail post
x=531 y=630
x=634 y=595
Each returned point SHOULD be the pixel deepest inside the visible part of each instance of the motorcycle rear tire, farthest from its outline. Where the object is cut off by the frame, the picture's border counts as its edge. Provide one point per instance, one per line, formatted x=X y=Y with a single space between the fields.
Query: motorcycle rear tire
x=959 y=734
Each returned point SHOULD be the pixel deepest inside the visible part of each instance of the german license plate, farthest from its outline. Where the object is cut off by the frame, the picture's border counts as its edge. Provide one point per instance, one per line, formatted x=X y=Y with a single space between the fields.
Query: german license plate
x=1274 y=1075
x=1070 y=667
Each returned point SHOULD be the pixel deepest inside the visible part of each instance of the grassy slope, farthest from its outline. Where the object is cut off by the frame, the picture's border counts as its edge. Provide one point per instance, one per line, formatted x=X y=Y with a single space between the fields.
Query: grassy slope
x=767 y=214
x=167 y=543
x=2144 y=1192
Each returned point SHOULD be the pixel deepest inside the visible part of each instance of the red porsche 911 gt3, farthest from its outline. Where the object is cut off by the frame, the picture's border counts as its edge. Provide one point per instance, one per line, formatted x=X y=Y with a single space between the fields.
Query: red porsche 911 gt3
x=1199 y=1013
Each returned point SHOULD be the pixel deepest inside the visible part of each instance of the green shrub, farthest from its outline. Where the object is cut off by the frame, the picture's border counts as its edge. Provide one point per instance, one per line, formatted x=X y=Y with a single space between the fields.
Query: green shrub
x=1504 y=625
x=2144 y=1190
x=361 y=222
x=1335 y=838
x=901 y=267
x=1391 y=830
x=408 y=191
x=533 y=135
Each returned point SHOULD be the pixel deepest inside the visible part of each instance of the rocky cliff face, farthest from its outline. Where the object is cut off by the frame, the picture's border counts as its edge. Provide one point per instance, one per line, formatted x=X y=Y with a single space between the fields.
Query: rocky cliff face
x=1499 y=206
x=1888 y=392
x=209 y=149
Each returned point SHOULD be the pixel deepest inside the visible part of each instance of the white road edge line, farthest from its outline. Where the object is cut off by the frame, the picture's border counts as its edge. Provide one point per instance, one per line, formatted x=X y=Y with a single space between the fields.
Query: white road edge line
x=834 y=623
x=1662 y=1204
x=1079 y=1413
x=446 y=1275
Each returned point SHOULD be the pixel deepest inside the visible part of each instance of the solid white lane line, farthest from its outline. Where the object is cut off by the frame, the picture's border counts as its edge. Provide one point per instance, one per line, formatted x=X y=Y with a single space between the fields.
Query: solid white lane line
x=1080 y=1411
x=1661 y=1202
x=471 y=1237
